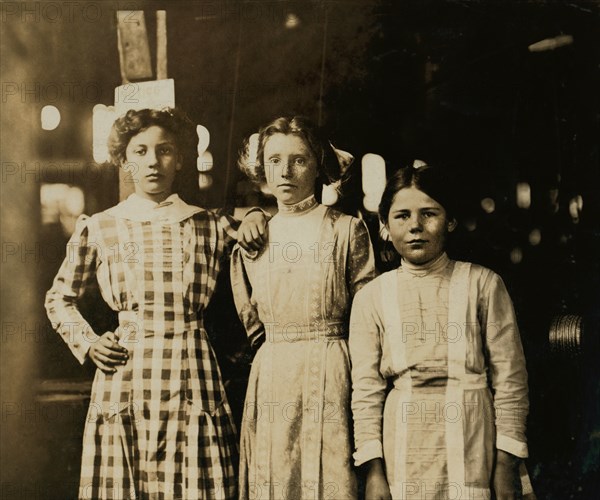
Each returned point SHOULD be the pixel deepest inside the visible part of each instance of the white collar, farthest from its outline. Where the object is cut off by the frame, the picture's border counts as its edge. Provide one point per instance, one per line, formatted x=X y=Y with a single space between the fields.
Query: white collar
x=431 y=267
x=298 y=208
x=173 y=209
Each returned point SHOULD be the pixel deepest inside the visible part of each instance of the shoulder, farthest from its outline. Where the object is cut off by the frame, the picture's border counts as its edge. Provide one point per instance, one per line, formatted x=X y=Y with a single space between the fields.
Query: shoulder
x=212 y=219
x=373 y=289
x=204 y=215
x=349 y=222
x=337 y=216
x=482 y=277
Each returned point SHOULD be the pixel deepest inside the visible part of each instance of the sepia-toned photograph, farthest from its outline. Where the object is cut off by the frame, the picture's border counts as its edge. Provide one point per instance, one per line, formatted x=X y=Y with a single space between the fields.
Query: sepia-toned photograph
x=300 y=250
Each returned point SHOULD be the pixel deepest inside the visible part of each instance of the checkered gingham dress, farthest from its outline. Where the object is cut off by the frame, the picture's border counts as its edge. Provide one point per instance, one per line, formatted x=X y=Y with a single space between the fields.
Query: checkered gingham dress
x=161 y=426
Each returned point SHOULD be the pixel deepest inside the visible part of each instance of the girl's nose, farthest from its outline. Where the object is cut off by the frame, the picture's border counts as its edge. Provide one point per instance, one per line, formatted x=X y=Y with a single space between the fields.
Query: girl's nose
x=286 y=170
x=151 y=159
x=416 y=224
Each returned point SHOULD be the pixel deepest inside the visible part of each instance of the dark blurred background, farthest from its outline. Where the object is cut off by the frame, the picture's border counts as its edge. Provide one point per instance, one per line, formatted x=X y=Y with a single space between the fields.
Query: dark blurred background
x=502 y=94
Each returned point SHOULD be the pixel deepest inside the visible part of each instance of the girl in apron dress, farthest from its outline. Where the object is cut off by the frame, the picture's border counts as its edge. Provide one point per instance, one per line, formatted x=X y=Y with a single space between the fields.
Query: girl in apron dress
x=443 y=335
x=294 y=300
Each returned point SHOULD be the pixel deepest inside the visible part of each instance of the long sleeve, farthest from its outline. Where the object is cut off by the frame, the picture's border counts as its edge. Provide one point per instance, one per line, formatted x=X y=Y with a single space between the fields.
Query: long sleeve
x=242 y=296
x=368 y=385
x=76 y=273
x=361 y=261
x=229 y=226
x=507 y=368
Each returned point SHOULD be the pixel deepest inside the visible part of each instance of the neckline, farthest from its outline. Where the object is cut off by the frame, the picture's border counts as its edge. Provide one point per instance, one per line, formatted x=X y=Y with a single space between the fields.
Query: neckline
x=423 y=270
x=301 y=207
x=142 y=202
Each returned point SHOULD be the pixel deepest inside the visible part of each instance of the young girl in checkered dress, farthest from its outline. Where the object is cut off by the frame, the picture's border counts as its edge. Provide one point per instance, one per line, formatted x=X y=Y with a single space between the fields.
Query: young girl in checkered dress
x=159 y=424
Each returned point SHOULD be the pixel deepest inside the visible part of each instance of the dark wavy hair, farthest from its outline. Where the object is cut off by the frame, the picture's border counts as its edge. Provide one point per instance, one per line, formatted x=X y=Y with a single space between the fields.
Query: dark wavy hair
x=135 y=121
x=328 y=167
x=431 y=180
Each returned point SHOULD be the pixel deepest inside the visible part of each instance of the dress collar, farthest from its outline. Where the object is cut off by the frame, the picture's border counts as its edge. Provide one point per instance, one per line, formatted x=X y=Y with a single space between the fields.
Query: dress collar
x=300 y=207
x=431 y=267
x=172 y=209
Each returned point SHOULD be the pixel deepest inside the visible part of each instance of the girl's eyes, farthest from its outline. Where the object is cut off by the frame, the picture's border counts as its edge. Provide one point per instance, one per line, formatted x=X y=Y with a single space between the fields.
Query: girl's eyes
x=406 y=215
x=299 y=161
x=161 y=151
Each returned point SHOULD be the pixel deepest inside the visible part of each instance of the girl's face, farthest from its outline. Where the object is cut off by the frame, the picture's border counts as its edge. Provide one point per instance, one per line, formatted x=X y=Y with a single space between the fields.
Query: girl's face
x=418 y=226
x=152 y=159
x=290 y=168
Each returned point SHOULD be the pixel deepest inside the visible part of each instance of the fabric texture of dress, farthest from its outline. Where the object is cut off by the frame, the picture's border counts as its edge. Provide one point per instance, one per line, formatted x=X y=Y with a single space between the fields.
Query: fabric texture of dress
x=446 y=338
x=294 y=299
x=160 y=427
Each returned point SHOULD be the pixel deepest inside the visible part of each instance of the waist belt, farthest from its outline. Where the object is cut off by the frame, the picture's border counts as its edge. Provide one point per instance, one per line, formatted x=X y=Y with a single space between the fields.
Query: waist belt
x=130 y=322
x=328 y=332
x=468 y=381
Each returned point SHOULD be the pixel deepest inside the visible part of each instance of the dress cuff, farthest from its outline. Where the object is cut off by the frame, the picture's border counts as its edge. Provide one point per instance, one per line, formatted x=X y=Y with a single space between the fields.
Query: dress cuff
x=368 y=451
x=510 y=445
x=80 y=343
x=267 y=215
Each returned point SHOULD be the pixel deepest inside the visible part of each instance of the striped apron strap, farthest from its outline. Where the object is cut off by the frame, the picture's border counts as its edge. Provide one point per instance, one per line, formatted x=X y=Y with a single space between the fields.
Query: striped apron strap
x=457 y=352
x=395 y=335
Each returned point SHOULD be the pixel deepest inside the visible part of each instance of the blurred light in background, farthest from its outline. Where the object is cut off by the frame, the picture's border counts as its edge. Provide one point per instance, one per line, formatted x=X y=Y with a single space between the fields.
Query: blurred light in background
x=553 y=195
x=50 y=117
x=264 y=189
x=575 y=208
x=373 y=180
x=330 y=195
x=535 y=236
x=292 y=21
x=61 y=203
x=203 y=139
x=488 y=205
x=102 y=119
x=523 y=195
x=205 y=181
x=551 y=43
x=205 y=162
x=470 y=224
x=516 y=255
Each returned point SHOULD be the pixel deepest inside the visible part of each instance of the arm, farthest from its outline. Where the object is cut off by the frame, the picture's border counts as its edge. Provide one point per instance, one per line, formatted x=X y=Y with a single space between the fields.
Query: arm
x=377 y=487
x=368 y=385
x=242 y=296
x=251 y=232
x=360 y=267
x=509 y=382
x=75 y=275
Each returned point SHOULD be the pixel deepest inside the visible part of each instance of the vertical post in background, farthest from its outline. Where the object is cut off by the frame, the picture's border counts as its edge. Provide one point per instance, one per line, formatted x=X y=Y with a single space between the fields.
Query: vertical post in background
x=323 y=59
x=161 y=44
x=134 y=64
x=21 y=456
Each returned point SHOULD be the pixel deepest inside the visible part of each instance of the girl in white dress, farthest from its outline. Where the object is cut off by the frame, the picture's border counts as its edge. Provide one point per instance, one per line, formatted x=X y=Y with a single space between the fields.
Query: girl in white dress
x=444 y=335
x=159 y=425
x=294 y=299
